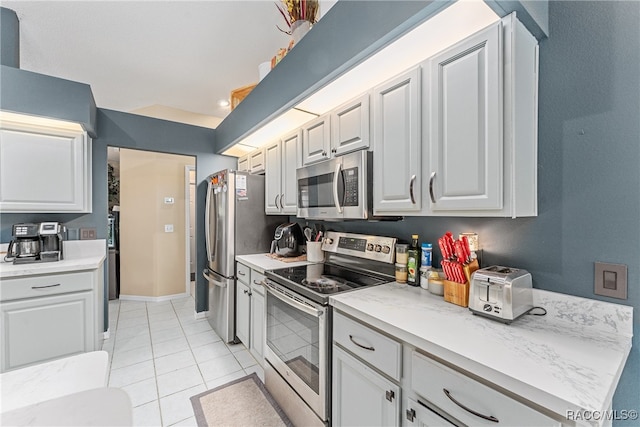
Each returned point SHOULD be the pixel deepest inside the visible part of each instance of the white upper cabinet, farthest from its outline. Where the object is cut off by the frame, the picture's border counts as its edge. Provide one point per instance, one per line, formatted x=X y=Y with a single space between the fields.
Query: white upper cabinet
x=396 y=141
x=281 y=186
x=350 y=126
x=272 y=178
x=243 y=163
x=44 y=169
x=316 y=140
x=480 y=125
x=256 y=161
x=465 y=97
x=289 y=182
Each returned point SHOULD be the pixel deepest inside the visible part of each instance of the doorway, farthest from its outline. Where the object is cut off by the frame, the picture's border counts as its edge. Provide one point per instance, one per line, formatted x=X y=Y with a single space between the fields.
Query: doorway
x=155 y=226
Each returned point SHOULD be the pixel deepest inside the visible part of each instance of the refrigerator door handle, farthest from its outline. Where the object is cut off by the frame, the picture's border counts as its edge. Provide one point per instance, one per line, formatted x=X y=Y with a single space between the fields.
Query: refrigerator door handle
x=207 y=210
x=207 y=274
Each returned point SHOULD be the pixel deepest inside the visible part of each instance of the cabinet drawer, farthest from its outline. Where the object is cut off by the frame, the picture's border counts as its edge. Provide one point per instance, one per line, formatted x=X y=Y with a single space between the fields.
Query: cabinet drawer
x=50 y=284
x=244 y=273
x=443 y=387
x=380 y=351
x=256 y=282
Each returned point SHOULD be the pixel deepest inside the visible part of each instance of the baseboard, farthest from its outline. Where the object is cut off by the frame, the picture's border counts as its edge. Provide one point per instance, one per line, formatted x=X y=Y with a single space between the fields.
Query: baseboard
x=152 y=299
x=201 y=315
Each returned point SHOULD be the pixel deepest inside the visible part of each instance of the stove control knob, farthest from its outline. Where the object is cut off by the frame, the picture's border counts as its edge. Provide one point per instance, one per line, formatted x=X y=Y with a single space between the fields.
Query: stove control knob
x=328 y=241
x=369 y=246
x=378 y=248
x=386 y=249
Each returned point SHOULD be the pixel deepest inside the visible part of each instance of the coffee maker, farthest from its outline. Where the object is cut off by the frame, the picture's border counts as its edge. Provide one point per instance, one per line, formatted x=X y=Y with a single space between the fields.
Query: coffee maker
x=51 y=241
x=35 y=243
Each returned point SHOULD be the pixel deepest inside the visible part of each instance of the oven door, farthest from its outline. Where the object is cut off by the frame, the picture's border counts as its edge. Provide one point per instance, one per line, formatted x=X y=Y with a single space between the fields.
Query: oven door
x=297 y=344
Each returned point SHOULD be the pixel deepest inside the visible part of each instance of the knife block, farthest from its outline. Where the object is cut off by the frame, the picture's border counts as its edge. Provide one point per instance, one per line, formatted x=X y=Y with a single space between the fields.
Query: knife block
x=470 y=268
x=456 y=293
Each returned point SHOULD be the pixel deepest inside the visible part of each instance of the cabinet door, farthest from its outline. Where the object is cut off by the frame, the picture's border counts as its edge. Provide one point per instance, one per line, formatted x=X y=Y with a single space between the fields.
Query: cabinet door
x=243 y=163
x=257 y=324
x=350 y=126
x=316 y=140
x=466 y=147
x=39 y=329
x=396 y=141
x=361 y=396
x=290 y=162
x=420 y=415
x=243 y=312
x=272 y=178
x=42 y=172
x=256 y=161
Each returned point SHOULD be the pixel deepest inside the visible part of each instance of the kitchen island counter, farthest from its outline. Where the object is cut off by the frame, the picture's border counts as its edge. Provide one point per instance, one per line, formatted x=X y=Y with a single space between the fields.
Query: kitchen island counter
x=78 y=255
x=263 y=262
x=570 y=359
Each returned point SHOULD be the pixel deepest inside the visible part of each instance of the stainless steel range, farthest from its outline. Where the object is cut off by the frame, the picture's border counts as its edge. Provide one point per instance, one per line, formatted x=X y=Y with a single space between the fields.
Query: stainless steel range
x=298 y=351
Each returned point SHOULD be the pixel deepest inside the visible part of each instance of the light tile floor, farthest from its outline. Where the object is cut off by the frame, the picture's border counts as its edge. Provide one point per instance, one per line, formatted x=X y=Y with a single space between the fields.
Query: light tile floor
x=161 y=356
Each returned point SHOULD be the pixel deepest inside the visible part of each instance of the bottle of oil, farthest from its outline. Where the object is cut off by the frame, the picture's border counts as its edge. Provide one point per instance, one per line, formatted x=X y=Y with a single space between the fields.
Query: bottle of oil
x=413 y=262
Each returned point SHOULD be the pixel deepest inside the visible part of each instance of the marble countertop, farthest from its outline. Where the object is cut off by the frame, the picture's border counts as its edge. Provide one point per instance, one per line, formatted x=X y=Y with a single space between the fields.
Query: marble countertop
x=572 y=358
x=50 y=380
x=262 y=262
x=78 y=255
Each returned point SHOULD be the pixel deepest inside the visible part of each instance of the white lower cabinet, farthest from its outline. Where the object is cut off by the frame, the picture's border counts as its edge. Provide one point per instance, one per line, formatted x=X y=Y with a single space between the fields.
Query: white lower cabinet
x=361 y=396
x=467 y=400
x=257 y=333
x=250 y=311
x=50 y=316
x=243 y=312
x=420 y=415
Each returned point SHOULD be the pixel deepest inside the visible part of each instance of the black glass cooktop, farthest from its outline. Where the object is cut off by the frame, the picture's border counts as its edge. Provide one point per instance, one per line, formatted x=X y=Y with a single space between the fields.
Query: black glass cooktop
x=323 y=279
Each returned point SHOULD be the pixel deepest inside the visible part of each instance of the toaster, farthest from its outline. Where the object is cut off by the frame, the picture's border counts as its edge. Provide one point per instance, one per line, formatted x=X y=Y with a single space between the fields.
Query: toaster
x=500 y=293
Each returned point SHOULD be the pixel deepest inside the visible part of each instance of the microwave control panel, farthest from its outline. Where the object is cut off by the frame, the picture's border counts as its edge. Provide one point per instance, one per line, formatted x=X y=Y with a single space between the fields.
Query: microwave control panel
x=351 y=187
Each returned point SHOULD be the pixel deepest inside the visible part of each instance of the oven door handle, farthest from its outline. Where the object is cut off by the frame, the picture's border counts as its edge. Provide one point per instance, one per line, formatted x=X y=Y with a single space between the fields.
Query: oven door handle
x=293 y=303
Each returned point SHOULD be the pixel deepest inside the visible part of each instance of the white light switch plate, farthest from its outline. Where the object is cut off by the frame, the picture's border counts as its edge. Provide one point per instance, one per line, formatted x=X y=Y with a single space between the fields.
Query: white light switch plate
x=168 y=200
x=168 y=228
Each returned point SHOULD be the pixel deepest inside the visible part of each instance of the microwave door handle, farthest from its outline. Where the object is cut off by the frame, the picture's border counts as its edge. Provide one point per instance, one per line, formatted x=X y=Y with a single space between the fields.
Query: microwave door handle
x=336 y=198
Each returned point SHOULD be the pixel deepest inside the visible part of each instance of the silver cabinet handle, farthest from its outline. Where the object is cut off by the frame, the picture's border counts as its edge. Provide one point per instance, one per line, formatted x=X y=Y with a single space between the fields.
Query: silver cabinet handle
x=246 y=292
x=240 y=273
x=324 y=154
x=413 y=181
x=45 y=286
x=389 y=395
x=281 y=201
x=255 y=282
x=360 y=345
x=276 y=200
x=471 y=411
x=433 y=198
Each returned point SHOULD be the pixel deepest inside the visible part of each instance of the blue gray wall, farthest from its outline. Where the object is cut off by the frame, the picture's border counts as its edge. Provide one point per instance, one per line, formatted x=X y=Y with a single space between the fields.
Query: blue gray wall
x=9 y=38
x=143 y=133
x=588 y=168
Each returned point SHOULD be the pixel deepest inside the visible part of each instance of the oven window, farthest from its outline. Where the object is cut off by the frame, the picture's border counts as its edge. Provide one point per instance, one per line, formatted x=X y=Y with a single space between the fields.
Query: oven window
x=294 y=336
x=316 y=191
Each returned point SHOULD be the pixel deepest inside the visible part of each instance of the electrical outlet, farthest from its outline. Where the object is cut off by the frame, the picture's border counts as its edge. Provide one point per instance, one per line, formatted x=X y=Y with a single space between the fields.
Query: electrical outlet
x=87 y=234
x=610 y=280
x=168 y=228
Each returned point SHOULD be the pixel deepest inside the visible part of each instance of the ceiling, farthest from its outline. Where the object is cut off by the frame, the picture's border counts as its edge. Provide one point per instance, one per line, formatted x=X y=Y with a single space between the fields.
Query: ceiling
x=168 y=59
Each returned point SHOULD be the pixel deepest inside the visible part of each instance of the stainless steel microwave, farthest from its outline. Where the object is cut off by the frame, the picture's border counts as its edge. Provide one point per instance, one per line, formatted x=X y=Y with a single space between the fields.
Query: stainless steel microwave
x=336 y=189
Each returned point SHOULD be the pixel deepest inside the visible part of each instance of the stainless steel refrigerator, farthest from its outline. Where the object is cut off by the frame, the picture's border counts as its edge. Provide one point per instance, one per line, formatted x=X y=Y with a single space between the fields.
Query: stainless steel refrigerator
x=235 y=224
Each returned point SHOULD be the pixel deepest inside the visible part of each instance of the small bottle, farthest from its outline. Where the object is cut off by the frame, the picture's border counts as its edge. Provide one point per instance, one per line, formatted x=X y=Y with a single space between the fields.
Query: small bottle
x=413 y=262
x=425 y=261
x=401 y=273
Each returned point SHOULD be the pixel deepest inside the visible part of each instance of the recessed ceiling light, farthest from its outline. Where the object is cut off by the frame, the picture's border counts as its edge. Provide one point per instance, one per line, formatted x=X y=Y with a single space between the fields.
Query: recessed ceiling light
x=223 y=103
